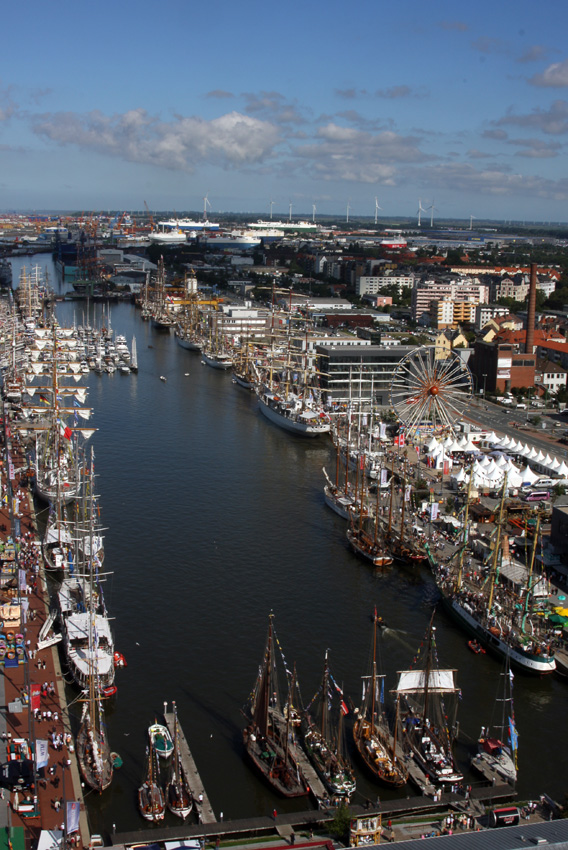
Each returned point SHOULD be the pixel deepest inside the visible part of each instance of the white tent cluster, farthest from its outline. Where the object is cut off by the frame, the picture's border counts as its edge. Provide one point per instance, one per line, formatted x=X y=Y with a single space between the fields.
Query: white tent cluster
x=441 y=452
x=489 y=470
x=545 y=464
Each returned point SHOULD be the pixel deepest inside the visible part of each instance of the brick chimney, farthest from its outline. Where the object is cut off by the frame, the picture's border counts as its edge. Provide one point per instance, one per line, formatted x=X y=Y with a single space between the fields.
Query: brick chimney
x=529 y=346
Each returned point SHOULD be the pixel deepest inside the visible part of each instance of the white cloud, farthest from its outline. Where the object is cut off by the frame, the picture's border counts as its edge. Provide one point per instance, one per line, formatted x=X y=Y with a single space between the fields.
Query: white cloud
x=494 y=182
x=345 y=153
x=183 y=143
x=555 y=76
x=552 y=121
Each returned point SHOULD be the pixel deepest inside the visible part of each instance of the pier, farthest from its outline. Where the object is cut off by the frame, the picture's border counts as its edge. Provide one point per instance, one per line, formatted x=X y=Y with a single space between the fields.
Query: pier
x=201 y=800
x=246 y=829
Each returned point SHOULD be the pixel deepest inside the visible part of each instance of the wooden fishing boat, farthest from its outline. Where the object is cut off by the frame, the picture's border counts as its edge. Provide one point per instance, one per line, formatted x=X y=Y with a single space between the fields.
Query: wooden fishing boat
x=150 y=796
x=267 y=737
x=375 y=745
x=179 y=799
x=324 y=743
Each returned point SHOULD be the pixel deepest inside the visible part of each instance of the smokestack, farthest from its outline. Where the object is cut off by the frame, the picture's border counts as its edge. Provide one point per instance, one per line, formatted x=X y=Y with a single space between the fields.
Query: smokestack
x=529 y=346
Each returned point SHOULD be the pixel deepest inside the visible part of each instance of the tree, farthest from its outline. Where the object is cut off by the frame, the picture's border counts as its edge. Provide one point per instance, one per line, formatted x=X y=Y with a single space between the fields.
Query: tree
x=339 y=826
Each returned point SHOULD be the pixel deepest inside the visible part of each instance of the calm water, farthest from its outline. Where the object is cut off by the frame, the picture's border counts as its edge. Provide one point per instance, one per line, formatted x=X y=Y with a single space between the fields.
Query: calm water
x=215 y=517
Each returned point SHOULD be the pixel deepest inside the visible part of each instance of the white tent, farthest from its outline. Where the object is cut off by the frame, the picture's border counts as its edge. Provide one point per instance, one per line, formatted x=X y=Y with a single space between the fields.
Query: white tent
x=528 y=476
x=562 y=470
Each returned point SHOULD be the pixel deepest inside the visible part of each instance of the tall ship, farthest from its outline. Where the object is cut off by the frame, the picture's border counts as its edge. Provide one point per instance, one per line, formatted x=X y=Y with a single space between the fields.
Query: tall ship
x=179 y=799
x=426 y=705
x=323 y=737
x=504 y=616
x=267 y=737
x=374 y=742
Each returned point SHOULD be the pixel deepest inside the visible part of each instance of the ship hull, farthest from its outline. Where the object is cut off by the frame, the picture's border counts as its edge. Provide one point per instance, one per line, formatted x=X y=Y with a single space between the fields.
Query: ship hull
x=306 y=428
x=527 y=661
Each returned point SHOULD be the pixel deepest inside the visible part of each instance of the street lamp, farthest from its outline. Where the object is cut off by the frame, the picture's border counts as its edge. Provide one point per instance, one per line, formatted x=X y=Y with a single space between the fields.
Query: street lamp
x=484 y=382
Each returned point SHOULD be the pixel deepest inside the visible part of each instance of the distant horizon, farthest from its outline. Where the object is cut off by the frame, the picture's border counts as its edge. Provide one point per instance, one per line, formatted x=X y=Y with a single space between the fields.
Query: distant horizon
x=258 y=216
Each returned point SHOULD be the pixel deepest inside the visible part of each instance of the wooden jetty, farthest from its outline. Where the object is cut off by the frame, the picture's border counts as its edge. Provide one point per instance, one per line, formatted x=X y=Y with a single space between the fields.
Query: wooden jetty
x=290 y=822
x=201 y=800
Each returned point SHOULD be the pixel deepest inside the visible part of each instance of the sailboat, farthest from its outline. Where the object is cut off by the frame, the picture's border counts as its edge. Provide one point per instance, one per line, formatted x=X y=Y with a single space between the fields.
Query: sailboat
x=93 y=750
x=134 y=358
x=324 y=745
x=423 y=704
x=214 y=353
x=493 y=755
x=87 y=637
x=368 y=543
x=178 y=795
x=507 y=625
x=150 y=795
x=267 y=737
x=375 y=745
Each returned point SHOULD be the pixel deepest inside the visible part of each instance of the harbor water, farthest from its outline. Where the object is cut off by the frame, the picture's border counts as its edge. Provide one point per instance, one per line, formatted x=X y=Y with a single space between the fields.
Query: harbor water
x=215 y=517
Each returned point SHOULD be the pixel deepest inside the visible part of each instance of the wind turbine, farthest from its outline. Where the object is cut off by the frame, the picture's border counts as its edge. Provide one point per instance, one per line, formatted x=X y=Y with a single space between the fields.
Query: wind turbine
x=290 y=212
x=271 y=205
x=205 y=205
x=377 y=208
x=347 y=216
x=420 y=211
x=432 y=208
x=471 y=221
x=313 y=212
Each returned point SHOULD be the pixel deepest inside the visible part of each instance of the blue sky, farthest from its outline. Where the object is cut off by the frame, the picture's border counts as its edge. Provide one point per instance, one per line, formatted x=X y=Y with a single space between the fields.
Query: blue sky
x=107 y=105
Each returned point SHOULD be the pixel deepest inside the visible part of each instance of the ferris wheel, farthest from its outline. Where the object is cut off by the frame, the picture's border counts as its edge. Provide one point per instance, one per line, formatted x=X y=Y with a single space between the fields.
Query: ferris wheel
x=430 y=387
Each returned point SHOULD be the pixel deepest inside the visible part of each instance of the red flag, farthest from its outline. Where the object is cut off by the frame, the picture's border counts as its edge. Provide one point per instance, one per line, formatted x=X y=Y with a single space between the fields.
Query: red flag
x=344 y=709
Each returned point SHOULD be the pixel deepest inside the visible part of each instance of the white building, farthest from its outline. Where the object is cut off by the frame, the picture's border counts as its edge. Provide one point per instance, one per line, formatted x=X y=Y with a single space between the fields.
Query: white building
x=372 y=284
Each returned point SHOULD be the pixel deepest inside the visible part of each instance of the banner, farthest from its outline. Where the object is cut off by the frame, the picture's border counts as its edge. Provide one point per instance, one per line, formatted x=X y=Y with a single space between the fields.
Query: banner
x=446 y=467
x=42 y=753
x=434 y=509
x=399 y=440
x=407 y=490
x=382 y=430
x=73 y=810
x=384 y=476
x=35 y=696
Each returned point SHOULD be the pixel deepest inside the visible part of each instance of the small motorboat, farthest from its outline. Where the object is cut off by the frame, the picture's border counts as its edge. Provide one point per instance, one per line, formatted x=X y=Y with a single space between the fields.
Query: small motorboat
x=476 y=647
x=162 y=378
x=161 y=740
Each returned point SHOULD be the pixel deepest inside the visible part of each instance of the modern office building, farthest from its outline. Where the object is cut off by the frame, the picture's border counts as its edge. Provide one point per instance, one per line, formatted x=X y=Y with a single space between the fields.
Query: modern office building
x=358 y=372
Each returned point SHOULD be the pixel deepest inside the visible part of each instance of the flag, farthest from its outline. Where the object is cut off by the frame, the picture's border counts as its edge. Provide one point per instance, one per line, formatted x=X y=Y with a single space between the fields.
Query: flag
x=42 y=753
x=382 y=429
x=513 y=735
x=73 y=809
x=446 y=467
x=65 y=431
x=407 y=491
x=399 y=440
x=384 y=475
x=344 y=709
x=434 y=509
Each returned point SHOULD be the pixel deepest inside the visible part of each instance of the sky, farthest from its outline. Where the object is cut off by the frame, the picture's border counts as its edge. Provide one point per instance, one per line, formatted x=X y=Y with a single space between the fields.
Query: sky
x=335 y=108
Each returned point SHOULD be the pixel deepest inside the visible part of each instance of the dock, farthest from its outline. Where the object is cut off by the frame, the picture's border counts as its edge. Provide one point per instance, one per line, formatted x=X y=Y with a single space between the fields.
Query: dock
x=200 y=799
x=317 y=789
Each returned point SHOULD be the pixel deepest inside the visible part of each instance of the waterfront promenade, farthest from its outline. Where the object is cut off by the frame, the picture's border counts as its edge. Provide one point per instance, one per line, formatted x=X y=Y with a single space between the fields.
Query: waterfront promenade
x=24 y=589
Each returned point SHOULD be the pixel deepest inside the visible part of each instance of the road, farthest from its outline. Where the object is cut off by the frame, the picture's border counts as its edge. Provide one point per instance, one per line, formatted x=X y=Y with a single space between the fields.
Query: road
x=499 y=419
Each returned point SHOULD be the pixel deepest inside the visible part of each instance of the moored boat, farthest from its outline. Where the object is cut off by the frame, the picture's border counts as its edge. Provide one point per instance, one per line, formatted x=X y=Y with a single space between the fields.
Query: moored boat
x=267 y=738
x=150 y=795
x=161 y=740
x=375 y=744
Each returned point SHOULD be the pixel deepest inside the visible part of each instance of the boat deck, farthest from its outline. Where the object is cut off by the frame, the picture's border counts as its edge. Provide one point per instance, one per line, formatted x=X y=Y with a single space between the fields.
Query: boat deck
x=203 y=809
